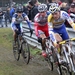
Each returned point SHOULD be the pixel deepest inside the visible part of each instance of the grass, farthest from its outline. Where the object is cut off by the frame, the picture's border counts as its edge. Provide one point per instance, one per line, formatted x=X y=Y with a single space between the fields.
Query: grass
x=6 y=37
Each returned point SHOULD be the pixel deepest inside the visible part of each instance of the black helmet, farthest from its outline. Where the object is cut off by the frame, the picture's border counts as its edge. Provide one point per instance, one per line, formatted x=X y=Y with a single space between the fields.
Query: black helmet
x=19 y=8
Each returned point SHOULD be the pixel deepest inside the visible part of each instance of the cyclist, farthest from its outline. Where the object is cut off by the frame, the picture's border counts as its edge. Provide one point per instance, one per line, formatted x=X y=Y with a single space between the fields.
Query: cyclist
x=57 y=19
x=17 y=19
x=41 y=26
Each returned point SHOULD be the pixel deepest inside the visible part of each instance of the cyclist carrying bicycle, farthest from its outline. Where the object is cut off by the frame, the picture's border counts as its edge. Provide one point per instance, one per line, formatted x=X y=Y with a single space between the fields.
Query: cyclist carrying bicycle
x=57 y=20
x=17 y=19
x=41 y=26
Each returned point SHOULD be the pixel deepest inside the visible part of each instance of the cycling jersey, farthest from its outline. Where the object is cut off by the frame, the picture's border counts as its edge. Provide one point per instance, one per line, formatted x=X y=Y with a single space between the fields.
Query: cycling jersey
x=59 y=26
x=40 y=24
x=17 y=21
x=40 y=19
x=58 y=23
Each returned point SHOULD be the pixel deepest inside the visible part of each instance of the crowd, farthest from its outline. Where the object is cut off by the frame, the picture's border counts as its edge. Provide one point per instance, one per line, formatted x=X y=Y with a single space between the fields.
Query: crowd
x=31 y=9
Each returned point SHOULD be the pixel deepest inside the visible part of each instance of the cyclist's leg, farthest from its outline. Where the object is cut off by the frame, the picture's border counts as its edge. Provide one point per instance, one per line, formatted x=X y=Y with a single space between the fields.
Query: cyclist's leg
x=41 y=39
x=43 y=32
x=14 y=35
x=16 y=32
x=58 y=38
x=57 y=35
x=64 y=35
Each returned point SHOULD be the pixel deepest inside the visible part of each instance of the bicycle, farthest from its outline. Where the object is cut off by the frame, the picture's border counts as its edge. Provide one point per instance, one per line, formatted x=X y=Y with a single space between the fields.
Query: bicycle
x=22 y=47
x=64 y=67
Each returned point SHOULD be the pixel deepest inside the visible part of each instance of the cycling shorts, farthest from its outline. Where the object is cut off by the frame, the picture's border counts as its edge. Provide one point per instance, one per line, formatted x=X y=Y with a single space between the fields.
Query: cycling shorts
x=18 y=27
x=62 y=32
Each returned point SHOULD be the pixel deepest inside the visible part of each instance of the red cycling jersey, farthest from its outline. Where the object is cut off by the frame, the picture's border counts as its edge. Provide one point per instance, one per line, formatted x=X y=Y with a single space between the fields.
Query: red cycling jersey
x=41 y=25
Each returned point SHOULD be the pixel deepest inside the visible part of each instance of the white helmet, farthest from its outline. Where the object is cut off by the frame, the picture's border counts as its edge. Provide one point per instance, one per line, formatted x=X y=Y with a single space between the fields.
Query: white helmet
x=54 y=7
x=42 y=7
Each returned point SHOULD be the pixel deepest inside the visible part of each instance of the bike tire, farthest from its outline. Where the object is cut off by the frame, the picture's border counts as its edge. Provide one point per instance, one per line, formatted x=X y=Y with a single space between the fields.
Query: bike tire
x=63 y=71
x=49 y=60
x=73 y=59
x=50 y=64
x=16 y=52
x=65 y=68
x=58 y=66
x=25 y=52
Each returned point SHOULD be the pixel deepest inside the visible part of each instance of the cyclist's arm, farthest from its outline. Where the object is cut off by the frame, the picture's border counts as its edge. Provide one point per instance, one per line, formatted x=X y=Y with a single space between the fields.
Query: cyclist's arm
x=69 y=19
x=49 y=22
x=49 y=18
x=13 y=23
x=36 y=28
x=36 y=23
x=27 y=20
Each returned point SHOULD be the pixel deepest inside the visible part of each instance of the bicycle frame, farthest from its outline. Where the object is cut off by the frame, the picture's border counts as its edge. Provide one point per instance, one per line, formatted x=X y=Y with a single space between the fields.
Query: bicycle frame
x=66 y=44
x=49 y=45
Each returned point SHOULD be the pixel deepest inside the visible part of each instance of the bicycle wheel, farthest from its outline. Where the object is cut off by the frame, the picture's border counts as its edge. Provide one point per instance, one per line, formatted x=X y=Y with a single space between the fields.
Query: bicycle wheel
x=16 y=50
x=62 y=70
x=50 y=64
x=65 y=66
x=73 y=59
x=49 y=59
x=25 y=51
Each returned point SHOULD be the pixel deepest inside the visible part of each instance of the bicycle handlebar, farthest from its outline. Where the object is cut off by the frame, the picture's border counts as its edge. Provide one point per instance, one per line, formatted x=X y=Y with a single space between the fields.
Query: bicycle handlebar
x=63 y=42
x=28 y=32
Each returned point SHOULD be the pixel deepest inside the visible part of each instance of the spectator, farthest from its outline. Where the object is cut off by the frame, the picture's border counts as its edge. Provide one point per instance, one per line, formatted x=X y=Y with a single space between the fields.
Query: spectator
x=71 y=12
x=57 y=1
x=25 y=10
x=48 y=3
x=33 y=10
x=1 y=17
x=12 y=10
x=7 y=16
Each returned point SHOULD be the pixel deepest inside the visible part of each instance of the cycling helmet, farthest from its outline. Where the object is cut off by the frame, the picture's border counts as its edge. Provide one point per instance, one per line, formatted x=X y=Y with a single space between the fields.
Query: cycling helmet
x=54 y=7
x=42 y=7
x=19 y=8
